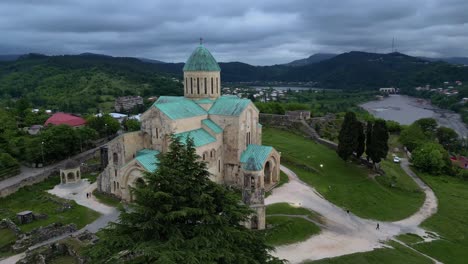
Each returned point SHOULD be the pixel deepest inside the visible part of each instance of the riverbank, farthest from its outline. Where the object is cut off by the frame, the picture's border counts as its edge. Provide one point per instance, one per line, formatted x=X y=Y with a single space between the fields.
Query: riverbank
x=406 y=109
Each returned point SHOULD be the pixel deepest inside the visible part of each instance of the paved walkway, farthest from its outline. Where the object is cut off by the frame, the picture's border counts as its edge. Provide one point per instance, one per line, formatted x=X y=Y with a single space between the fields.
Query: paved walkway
x=76 y=192
x=35 y=172
x=344 y=233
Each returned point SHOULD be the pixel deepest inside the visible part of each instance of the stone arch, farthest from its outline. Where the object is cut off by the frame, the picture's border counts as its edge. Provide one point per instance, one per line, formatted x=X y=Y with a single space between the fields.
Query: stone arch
x=130 y=177
x=213 y=154
x=115 y=158
x=270 y=171
x=70 y=176
x=254 y=222
x=267 y=173
x=205 y=155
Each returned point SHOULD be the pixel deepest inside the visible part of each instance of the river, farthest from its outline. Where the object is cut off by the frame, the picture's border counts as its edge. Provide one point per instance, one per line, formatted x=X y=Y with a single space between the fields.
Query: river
x=405 y=110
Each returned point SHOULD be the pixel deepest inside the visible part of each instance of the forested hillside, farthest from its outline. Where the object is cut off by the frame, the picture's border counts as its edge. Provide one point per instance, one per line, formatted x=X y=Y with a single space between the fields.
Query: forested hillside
x=82 y=83
x=352 y=70
x=88 y=82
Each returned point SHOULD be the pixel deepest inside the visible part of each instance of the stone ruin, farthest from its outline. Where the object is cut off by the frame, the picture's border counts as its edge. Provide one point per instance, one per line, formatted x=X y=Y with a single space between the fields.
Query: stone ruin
x=42 y=234
x=69 y=246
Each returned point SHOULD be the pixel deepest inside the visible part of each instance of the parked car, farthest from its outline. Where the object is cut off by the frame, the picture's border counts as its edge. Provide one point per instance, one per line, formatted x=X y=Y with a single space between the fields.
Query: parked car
x=396 y=159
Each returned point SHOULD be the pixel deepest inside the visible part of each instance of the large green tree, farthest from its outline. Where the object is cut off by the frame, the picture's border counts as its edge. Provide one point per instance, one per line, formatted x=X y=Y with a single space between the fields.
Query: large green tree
x=361 y=139
x=430 y=157
x=448 y=138
x=180 y=216
x=105 y=125
x=413 y=137
x=378 y=147
x=368 y=139
x=428 y=126
x=347 y=139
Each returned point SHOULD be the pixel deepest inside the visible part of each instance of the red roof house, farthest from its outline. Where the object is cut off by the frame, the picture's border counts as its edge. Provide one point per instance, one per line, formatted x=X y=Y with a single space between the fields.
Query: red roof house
x=67 y=119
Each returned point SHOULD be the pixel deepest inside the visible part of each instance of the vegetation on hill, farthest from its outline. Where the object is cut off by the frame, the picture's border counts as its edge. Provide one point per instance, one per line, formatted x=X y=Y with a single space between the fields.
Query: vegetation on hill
x=346 y=184
x=81 y=83
x=352 y=70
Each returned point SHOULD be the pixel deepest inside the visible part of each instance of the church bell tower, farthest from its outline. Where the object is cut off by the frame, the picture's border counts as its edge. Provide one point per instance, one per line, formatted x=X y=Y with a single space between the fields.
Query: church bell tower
x=202 y=78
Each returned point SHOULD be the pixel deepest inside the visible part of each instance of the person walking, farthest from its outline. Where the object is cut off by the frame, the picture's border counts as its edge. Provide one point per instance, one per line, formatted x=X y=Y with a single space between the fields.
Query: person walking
x=378 y=227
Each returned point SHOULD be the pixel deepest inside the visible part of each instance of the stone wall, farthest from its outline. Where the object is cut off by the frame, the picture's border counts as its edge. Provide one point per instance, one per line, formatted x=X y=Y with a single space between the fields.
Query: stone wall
x=284 y=121
x=41 y=176
x=126 y=103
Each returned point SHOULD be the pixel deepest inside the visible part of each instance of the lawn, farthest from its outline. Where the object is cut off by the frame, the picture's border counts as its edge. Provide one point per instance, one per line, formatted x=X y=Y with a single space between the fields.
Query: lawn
x=36 y=199
x=409 y=239
x=450 y=221
x=344 y=183
x=399 y=254
x=287 y=230
x=106 y=199
x=285 y=208
x=7 y=238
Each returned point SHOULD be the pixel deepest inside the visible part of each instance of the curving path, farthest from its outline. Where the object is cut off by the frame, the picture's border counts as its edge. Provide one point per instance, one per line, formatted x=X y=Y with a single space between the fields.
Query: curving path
x=76 y=192
x=345 y=233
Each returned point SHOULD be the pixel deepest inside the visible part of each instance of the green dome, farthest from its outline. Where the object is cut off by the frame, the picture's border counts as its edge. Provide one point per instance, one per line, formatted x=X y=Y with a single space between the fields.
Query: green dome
x=201 y=60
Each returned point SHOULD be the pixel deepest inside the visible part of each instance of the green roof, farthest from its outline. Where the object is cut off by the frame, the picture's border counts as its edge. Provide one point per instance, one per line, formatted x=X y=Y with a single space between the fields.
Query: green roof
x=255 y=156
x=212 y=125
x=178 y=107
x=201 y=60
x=205 y=101
x=229 y=106
x=147 y=158
x=200 y=137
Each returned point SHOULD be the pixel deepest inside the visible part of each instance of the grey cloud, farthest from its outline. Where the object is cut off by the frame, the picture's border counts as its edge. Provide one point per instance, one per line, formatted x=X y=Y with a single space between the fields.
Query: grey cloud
x=257 y=32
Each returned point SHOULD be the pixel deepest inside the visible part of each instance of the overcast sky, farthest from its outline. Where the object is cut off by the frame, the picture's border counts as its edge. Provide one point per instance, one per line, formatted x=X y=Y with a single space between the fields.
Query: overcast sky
x=258 y=32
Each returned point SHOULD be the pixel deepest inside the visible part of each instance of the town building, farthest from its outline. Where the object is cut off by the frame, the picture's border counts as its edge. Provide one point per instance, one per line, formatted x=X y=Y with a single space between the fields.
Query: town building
x=65 y=119
x=225 y=130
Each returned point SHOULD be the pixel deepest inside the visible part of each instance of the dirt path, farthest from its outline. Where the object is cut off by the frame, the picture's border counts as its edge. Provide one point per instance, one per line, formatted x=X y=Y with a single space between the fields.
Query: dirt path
x=76 y=192
x=344 y=233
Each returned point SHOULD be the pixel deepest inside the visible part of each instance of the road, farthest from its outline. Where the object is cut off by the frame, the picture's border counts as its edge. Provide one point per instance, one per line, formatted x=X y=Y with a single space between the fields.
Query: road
x=344 y=233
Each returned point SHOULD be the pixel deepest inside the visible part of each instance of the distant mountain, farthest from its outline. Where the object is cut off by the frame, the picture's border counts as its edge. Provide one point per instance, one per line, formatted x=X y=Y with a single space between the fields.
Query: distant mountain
x=318 y=57
x=83 y=83
x=451 y=60
x=11 y=57
x=151 y=60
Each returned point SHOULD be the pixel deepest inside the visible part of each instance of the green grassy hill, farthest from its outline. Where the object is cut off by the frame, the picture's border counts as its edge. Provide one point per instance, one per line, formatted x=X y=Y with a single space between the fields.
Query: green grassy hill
x=82 y=83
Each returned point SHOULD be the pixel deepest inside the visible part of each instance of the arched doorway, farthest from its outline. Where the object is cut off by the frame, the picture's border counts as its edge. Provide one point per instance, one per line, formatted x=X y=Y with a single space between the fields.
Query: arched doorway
x=267 y=173
x=254 y=222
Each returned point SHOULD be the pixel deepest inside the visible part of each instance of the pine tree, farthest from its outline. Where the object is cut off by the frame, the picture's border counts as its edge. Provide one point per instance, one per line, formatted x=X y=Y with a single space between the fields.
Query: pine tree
x=180 y=216
x=379 y=141
x=347 y=140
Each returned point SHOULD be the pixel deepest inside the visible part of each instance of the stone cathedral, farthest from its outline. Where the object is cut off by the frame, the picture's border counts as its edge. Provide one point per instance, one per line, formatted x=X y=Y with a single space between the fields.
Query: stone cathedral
x=225 y=130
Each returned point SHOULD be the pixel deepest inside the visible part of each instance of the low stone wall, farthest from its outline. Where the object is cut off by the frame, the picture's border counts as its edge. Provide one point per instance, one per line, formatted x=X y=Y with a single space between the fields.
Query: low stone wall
x=284 y=121
x=42 y=175
x=275 y=120
x=28 y=181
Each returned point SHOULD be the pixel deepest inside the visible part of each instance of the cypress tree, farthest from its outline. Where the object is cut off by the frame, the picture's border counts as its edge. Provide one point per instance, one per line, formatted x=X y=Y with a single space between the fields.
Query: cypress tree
x=347 y=140
x=369 y=140
x=379 y=141
x=361 y=138
x=180 y=216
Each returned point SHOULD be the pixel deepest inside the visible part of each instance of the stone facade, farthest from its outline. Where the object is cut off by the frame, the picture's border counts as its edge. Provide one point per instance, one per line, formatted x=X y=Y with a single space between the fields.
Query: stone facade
x=127 y=103
x=226 y=133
